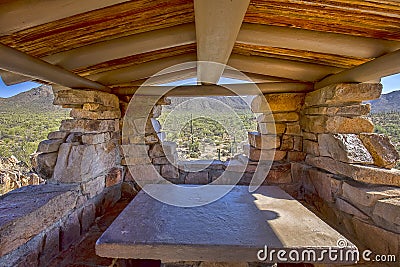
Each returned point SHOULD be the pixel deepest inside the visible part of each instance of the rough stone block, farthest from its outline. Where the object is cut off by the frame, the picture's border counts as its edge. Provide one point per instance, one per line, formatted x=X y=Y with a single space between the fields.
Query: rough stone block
x=48 y=146
x=310 y=136
x=310 y=147
x=297 y=143
x=261 y=141
x=57 y=135
x=94 y=187
x=95 y=115
x=271 y=128
x=296 y=156
x=365 y=197
x=70 y=231
x=280 y=173
x=80 y=97
x=293 y=128
x=256 y=154
x=287 y=143
x=93 y=139
x=359 y=173
x=161 y=161
x=346 y=207
x=387 y=214
x=45 y=163
x=344 y=147
x=337 y=124
x=88 y=217
x=114 y=176
x=145 y=172
x=135 y=150
x=51 y=246
x=279 y=117
x=382 y=150
x=169 y=171
x=89 y=126
x=375 y=238
x=326 y=185
x=346 y=111
x=197 y=178
x=282 y=102
x=156 y=151
x=36 y=206
x=77 y=163
x=343 y=93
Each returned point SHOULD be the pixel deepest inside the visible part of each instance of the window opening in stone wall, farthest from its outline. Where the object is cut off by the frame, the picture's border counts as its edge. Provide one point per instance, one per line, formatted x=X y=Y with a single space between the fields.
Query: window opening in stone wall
x=206 y=128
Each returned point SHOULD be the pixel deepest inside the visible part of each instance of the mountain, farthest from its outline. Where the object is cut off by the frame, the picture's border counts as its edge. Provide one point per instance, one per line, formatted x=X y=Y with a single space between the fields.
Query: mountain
x=39 y=99
x=386 y=103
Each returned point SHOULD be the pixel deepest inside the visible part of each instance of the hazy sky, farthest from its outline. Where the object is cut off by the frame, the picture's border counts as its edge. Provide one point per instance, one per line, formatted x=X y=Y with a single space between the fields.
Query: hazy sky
x=390 y=83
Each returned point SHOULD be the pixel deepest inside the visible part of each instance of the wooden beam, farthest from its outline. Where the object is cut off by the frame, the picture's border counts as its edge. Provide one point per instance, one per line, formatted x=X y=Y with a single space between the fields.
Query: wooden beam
x=16 y=61
x=22 y=14
x=281 y=68
x=145 y=70
x=217 y=26
x=321 y=42
x=380 y=67
x=254 y=77
x=217 y=90
x=116 y=48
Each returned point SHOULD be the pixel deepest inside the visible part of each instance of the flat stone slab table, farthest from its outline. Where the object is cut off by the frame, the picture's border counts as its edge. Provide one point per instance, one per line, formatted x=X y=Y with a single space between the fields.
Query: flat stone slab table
x=235 y=228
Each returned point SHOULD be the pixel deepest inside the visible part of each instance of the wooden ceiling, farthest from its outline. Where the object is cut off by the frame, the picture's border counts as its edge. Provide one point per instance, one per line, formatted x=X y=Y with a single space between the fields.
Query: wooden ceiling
x=117 y=43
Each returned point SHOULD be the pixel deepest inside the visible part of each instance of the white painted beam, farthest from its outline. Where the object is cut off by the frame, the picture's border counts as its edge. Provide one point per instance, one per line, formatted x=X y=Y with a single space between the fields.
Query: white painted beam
x=21 y=14
x=380 y=67
x=18 y=62
x=281 y=68
x=217 y=26
x=321 y=42
x=217 y=90
x=145 y=70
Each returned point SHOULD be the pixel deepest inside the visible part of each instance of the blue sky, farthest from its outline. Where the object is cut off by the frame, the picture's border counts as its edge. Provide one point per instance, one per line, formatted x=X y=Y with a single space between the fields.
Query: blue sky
x=390 y=83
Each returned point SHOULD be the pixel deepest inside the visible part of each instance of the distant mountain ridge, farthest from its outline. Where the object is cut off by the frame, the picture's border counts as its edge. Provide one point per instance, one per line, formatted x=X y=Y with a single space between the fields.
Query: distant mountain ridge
x=386 y=103
x=39 y=99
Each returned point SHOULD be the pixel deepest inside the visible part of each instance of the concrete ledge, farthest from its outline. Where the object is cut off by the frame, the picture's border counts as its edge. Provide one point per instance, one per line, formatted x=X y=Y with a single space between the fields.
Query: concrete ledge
x=27 y=211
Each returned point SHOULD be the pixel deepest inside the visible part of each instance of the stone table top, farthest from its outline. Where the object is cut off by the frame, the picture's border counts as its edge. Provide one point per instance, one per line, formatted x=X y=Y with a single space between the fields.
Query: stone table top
x=233 y=228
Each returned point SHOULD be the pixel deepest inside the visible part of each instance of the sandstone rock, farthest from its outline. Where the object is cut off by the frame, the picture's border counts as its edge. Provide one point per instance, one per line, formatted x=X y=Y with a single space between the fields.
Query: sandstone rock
x=360 y=173
x=345 y=111
x=349 y=209
x=114 y=176
x=376 y=239
x=93 y=187
x=77 y=163
x=256 y=154
x=95 y=115
x=261 y=141
x=156 y=151
x=343 y=93
x=337 y=124
x=161 y=161
x=45 y=164
x=70 y=231
x=279 y=117
x=387 y=214
x=24 y=209
x=344 y=147
x=151 y=139
x=48 y=146
x=293 y=128
x=87 y=217
x=297 y=143
x=57 y=135
x=382 y=150
x=145 y=173
x=169 y=171
x=197 y=178
x=135 y=151
x=92 y=139
x=51 y=246
x=296 y=156
x=310 y=136
x=271 y=128
x=364 y=197
x=75 y=138
x=281 y=102
x=287 y=143
x=89 y=126
x=80 y=97
x=326 y=185
x=280 y=173
x=130 y=161
x=311 y=147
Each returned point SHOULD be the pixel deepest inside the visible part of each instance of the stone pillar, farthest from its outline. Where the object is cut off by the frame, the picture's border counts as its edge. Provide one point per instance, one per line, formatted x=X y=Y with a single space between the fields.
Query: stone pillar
x=85 y=149
x=347 y=175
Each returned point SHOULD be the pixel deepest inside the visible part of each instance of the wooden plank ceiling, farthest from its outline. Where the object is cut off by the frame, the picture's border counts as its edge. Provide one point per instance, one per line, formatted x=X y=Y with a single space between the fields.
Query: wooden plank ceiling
x=121 y=43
